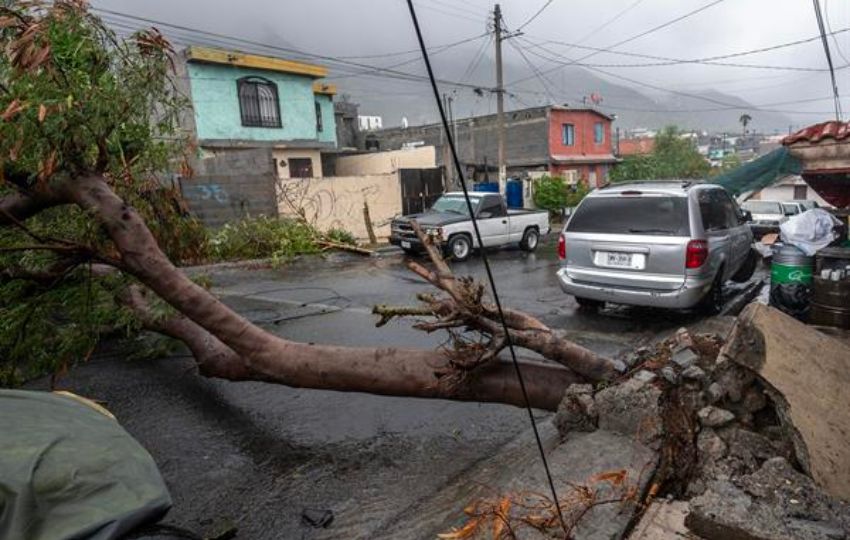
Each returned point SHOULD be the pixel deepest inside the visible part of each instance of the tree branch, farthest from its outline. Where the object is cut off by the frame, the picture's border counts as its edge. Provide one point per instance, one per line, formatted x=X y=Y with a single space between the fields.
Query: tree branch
x=21 y=206
x=205 y=321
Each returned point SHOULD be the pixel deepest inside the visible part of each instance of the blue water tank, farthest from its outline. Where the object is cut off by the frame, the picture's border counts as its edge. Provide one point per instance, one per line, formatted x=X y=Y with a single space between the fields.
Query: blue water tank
x=492 y=187
x=513 y=194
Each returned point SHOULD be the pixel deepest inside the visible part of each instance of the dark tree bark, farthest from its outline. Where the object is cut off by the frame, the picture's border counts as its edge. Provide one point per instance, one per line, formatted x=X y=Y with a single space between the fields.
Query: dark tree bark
x=227 y=345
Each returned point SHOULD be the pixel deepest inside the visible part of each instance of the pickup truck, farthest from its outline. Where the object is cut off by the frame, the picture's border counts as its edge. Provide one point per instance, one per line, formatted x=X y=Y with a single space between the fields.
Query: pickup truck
x=449 y=223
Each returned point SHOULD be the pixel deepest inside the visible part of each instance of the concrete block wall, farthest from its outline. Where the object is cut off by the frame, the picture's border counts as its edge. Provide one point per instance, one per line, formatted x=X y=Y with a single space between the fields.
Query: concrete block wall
x=337 y=201
x=231 y=185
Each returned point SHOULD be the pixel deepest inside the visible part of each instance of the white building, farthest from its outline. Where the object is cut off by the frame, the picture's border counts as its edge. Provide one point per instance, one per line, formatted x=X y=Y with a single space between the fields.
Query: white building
x=790 y=188
x=369 y=123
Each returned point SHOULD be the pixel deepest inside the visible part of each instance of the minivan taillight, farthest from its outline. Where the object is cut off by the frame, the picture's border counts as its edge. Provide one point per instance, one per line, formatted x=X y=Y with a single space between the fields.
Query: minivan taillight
x=696 y=253
x=562 y=247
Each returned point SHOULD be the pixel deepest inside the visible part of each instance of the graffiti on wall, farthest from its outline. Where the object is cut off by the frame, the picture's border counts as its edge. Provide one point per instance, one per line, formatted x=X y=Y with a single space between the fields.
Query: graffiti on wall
x=337 y=202
x=210 y=192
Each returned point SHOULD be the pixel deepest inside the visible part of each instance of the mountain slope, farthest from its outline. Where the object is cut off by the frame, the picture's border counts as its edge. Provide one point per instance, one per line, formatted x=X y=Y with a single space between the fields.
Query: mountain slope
x=707 y=109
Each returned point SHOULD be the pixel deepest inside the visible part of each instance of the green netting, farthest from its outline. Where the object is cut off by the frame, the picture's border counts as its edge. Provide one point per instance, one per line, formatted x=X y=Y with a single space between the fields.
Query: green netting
x=759 y=173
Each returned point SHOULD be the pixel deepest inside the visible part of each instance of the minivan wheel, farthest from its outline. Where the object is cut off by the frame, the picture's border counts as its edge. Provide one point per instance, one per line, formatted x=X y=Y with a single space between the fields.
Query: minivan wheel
x=588 y=303
x=712 y=302
x=748 y=268
x=460 y=247
x=530 y=240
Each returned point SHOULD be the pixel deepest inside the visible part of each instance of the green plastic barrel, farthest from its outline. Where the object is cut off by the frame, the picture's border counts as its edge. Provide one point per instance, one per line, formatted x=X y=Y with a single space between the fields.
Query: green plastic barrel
x=791 y=281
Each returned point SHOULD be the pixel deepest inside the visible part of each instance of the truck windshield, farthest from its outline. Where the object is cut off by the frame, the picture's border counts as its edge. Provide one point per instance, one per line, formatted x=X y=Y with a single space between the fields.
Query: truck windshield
x=763 y=207
x=454 y=204
x=662 y=216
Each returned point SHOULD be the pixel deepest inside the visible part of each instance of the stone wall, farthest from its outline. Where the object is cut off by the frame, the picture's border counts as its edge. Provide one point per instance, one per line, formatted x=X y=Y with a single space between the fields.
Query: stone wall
x=231 y=185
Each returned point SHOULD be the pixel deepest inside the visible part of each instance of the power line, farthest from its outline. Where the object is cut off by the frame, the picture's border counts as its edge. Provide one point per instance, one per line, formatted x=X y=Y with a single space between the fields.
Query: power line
x=829 y=27
x=458 y=7
x=378 y=71
x=485 y=259
x=696 y=60
x=542 y=78
x=411 y=51
x=435 y=51
x=821 y=27
x=537 y=14
x=440 y=9
x=609 y=21
x=726 y=105
x=476 y=60
x=636 y=36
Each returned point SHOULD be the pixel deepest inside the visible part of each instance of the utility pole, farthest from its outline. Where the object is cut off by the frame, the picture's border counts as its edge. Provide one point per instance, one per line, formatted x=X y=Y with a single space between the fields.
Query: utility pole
x=500 y=98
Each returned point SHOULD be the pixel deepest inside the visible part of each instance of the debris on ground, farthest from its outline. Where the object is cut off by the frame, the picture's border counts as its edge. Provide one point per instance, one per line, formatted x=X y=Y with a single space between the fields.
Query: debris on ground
x=747 y=430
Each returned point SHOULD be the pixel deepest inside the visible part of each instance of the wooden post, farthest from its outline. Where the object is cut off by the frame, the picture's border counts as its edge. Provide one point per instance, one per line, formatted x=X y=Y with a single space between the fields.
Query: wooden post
x=373 y=240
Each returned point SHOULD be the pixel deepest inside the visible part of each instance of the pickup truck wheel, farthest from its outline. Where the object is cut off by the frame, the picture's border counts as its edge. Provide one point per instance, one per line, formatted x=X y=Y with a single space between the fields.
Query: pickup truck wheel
x=460 y=247
x=530 y=240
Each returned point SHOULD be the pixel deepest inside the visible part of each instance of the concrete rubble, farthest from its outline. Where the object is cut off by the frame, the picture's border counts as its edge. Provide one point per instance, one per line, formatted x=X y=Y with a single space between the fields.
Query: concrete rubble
x=703 y=437
x=750 y=449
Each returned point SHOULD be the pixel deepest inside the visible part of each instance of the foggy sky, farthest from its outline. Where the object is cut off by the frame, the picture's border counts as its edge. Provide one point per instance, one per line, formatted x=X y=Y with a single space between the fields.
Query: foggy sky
x=369 y=27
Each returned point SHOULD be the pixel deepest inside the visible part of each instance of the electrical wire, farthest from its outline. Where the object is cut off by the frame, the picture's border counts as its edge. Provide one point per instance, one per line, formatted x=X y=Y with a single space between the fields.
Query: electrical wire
x=822 y=28
x=476 y=59
x=542 y=78
x=411 y=51
x=829 y=27
x=634 y=37
x=345 y=64
x=537 y=14
x=485 y=259
x=725 y=105
x=710 y=60
x=609 y=21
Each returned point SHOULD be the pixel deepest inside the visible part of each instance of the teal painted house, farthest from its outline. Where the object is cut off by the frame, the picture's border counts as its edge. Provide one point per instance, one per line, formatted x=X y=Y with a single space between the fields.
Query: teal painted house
x=244 y=101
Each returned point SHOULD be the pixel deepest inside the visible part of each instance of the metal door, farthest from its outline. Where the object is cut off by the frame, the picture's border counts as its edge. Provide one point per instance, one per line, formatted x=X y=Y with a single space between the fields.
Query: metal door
x=419 y=189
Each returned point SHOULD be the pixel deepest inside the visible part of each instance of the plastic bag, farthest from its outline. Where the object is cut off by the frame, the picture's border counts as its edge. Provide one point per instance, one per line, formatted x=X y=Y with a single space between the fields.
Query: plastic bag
x=810 y=231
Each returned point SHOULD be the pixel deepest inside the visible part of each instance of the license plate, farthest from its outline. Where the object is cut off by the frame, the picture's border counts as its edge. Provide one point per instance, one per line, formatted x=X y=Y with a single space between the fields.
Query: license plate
x=618 y=259
x=405 y=244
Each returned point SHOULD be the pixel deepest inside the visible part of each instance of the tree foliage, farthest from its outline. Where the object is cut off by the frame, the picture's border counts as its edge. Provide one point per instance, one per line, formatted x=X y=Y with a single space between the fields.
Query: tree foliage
x=672 y=157
x=75 y=100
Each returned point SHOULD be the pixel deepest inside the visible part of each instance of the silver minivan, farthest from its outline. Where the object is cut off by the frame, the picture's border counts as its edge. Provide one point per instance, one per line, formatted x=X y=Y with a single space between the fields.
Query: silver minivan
x=662 y=244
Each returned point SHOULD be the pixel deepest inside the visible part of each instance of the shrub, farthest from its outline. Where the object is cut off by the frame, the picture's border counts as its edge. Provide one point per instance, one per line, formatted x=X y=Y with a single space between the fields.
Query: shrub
x=277 y=238
x=553 y=193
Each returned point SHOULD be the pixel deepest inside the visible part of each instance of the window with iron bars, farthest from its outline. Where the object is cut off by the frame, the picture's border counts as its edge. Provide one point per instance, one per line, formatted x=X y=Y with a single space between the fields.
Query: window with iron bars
x=258 y=102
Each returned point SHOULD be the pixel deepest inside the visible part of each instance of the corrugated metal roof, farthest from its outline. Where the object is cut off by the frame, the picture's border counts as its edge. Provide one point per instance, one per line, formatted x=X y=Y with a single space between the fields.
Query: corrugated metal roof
x=825 y=130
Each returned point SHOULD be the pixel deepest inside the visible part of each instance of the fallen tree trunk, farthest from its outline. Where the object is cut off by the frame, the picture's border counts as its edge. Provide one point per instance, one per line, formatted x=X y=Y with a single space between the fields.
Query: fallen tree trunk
x=395 y=372
x=227 y=345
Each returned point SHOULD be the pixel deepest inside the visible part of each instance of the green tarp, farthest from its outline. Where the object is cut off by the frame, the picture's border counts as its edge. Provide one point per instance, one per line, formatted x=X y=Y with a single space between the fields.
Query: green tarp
x=759 y=173
x=69 y=471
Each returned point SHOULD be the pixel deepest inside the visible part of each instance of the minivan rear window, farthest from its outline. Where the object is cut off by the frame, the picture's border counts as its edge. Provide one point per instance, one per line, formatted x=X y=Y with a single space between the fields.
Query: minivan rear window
x=663 y=216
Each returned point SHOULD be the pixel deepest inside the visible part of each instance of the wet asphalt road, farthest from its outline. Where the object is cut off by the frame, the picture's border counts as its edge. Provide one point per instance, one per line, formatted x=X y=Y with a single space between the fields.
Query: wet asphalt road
x=254 y=456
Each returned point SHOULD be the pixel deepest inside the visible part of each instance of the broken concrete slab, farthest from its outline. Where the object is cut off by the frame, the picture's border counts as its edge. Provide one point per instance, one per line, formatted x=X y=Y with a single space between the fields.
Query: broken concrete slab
x=517 y=469
x=774 y=503
x=807 y=377
x=663 y=520
x=630 y=408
